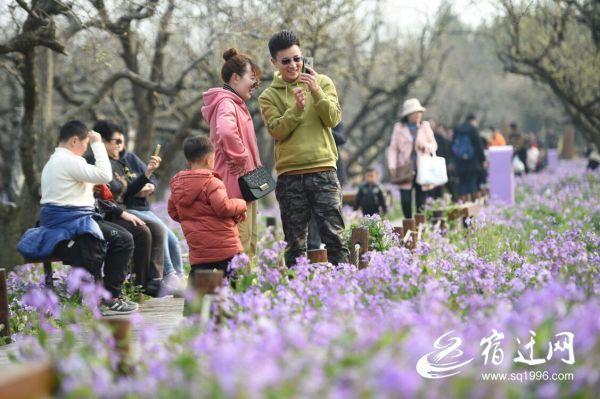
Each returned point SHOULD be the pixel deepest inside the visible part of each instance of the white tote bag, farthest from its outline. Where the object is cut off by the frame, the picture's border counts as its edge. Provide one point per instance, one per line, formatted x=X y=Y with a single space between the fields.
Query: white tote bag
x=431 y=170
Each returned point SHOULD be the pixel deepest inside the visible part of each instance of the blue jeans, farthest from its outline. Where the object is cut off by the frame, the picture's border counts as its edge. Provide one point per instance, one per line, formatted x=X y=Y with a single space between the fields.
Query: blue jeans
x=172 y=250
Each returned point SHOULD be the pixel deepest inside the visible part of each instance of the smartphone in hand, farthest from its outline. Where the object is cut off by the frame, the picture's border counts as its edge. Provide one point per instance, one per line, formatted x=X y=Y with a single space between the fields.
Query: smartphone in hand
x=307 y=64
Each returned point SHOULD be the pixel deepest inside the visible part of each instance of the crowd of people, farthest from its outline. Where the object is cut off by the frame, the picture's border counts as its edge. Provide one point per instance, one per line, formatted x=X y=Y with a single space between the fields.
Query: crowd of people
x=95 y=211
x=464 y=149
x=95 y=194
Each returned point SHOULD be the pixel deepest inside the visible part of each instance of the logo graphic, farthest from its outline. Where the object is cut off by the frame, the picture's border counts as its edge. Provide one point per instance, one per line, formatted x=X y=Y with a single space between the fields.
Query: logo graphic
x=445 y=361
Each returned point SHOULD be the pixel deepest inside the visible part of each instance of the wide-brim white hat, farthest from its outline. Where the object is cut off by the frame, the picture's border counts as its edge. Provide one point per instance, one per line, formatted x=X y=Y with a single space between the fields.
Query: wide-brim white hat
x=411 y=106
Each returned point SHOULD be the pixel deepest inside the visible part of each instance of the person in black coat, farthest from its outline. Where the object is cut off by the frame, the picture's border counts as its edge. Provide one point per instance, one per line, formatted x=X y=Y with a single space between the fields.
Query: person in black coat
x=370 y=199
x=468 y=154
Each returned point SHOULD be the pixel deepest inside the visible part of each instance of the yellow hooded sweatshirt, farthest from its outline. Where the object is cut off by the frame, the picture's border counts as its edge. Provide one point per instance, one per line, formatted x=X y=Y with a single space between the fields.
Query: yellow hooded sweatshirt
x=303 y=139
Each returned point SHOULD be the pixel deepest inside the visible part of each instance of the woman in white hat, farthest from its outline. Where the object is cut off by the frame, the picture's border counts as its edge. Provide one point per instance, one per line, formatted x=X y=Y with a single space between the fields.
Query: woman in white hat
x=412 y=138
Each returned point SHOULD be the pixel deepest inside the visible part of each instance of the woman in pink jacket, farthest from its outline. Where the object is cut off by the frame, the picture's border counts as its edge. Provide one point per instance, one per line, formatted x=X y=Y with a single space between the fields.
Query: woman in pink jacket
x=232 y=133
x=412 y=138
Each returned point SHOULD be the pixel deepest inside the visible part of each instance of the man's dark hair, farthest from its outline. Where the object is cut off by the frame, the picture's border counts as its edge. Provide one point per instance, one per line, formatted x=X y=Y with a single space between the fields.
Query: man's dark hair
x=370 y=170
x=197 y=148
x=513 y=125
x=73 y=129
x=281 y=41
x=470 y=117
x=107 y=128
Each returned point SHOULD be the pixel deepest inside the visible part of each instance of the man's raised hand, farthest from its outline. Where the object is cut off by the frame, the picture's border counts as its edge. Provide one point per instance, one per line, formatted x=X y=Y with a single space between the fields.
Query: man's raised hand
x=300 y=98
x=95 y=137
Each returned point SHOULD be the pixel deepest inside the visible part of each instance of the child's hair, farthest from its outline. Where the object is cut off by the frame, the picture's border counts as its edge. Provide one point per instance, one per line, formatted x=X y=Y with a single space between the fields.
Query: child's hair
x=370 y=170
x=72 y=129
x=237 y=63
x=197 y=148
x=281 y=41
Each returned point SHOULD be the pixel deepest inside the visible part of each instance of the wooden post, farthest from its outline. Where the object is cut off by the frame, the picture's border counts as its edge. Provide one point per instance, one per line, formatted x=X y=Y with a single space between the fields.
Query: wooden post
x=207 y=281
x=360 y=245
x=465 y=198
x=410 y=225
x=204 y=282
x=121 y=332
x=28 y=380
x=438 y=213
x=399 y=231
x=439 y=224
x=317 y=255
x=419 y=219
x=438 y=220
x=4 y=313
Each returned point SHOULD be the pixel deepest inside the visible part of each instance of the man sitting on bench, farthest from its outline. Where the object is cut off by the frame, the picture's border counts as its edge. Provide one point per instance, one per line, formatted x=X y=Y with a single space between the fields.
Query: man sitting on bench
x=70 y=229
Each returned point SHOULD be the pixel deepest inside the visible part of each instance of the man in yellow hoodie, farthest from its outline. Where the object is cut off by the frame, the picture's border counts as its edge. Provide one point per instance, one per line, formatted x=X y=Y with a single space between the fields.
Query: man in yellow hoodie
x=300 y=110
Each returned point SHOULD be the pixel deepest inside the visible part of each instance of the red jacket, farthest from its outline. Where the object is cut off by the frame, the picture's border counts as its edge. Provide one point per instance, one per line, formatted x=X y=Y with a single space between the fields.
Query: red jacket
x=207 y=215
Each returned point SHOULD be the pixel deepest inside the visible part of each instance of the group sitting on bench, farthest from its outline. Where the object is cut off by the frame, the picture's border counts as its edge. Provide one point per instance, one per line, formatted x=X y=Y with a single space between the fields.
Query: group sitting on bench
x=85 y=218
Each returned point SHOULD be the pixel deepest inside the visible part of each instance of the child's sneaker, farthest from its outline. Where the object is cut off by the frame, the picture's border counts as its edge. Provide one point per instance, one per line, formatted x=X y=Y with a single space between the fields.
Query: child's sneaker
x=118 y=306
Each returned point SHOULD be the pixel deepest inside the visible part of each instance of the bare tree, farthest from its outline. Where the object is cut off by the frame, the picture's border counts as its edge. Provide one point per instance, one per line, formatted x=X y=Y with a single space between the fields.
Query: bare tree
x=556 y=43
x=37 y=30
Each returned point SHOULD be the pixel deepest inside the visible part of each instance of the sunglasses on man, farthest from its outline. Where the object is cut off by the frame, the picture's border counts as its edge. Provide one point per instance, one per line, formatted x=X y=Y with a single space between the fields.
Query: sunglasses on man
x=117 y=141
x=297 y=59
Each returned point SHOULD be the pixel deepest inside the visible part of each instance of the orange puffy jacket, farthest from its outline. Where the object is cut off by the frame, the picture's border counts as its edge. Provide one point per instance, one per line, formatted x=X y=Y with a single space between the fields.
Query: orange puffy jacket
x=199 y=202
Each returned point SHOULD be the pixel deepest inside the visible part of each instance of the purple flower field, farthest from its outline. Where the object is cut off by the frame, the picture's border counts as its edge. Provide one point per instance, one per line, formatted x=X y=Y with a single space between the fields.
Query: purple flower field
x=508 y=309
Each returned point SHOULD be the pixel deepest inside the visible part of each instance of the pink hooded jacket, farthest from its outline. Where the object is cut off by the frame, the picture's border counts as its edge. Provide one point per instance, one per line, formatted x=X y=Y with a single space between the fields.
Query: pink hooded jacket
x=401 y=147
x=232 y=134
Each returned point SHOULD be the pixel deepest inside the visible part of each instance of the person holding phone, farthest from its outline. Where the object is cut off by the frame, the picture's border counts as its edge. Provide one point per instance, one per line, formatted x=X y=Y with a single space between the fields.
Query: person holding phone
x=69 y=227
x=300 y=110
x=232 y=133
x=156 y=255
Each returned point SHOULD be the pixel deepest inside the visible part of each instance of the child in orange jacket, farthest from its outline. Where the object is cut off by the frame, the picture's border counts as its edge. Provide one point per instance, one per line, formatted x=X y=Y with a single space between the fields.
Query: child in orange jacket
x=208 y=217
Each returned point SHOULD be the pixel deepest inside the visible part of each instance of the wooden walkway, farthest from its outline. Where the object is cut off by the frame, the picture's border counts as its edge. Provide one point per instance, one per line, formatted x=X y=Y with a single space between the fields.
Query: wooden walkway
x=164 y=314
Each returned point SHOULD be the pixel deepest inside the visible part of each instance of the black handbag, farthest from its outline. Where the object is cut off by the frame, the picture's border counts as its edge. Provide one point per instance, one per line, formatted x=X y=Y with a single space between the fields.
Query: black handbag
x=256 y=184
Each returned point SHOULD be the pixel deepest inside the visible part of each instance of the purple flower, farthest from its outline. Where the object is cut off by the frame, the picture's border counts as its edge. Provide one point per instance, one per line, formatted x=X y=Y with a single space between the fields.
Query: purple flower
x=44 y=301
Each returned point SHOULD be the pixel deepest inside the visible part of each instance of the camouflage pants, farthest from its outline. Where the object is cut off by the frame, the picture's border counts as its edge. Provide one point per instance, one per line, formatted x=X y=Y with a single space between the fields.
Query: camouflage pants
x=319 y=193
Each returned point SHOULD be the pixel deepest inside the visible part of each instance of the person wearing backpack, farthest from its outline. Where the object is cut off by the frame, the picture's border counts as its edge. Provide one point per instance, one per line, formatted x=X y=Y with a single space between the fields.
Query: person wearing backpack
x=468 y=155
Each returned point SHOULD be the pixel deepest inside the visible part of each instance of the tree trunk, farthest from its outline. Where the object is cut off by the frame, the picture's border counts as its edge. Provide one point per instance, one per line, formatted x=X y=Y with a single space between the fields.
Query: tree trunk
x=145 y=139
x=45 y=73
x=568 y=150
x=14 y=220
